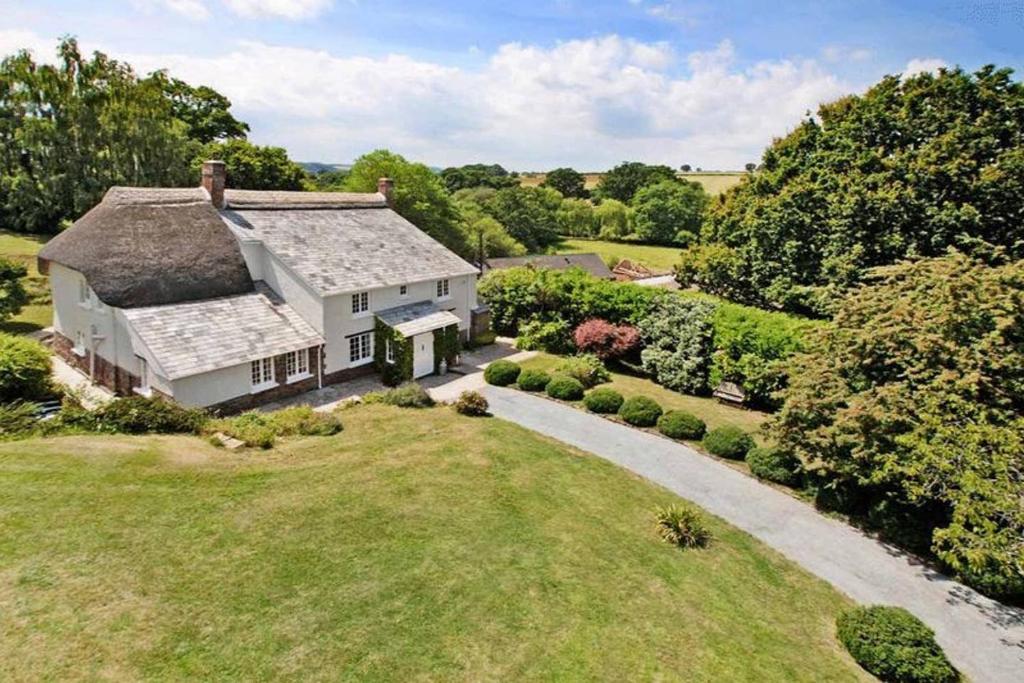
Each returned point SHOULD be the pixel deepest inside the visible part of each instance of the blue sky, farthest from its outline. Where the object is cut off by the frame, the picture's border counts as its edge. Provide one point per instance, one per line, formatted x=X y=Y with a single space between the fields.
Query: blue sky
x=528 y=84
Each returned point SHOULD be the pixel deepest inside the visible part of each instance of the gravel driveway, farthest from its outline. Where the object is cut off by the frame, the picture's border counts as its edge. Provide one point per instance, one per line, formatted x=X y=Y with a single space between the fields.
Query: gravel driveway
x=983 y=638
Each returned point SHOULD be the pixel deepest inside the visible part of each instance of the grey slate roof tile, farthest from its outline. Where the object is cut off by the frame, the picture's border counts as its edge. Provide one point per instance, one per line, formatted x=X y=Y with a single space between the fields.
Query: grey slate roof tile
x=347 y=250
x=412 y=319
x=199 y=336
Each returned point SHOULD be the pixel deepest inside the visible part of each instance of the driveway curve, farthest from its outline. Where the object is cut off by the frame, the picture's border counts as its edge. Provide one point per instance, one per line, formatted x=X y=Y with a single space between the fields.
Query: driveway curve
x=983 y=638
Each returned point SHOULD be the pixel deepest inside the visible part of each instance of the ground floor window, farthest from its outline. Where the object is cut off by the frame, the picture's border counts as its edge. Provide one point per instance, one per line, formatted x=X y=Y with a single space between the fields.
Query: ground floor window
x=262 y=373
x=360 y=347
x=389 y=350
x=296 y=364
x=79 y=343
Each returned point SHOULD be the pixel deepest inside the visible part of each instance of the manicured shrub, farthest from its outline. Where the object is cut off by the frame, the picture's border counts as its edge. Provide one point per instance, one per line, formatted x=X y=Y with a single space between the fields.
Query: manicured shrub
x=775 y=464
x=407 y=395
x=585 y=368
x=565 y=388
x=604 y=339
x=894 y=645
x=24 y=369
x=501 y=373
x=728 y=442
x=683 y=526
x=678 y=336
x=553 y=336
x=640 y=411
x=142 y=414
x=471 y=403
x=533 y=380
x=677 y=424
x=603 y=400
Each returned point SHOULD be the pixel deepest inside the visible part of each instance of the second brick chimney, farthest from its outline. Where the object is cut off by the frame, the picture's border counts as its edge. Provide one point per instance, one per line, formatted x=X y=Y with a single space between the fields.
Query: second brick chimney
x=386 y=186
x=214 y=178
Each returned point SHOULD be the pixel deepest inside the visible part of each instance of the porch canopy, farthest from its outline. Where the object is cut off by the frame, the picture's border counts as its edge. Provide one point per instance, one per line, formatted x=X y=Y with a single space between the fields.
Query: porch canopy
x=412 y=319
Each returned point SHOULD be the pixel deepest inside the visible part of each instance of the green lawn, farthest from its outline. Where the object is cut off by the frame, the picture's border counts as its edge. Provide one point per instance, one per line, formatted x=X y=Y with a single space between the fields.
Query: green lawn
x=658 y=259
x=415 y=545
x=23 y=249
x=715 y=414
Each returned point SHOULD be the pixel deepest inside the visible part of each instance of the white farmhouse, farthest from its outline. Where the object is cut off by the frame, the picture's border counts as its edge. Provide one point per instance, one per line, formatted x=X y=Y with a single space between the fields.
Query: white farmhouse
x=230 y=298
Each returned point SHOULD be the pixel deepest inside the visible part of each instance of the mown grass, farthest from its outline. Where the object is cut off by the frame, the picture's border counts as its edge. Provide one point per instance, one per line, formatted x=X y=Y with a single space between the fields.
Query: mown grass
x=22 y=248
x=713 y=413
x=415 y=545
x=658 y=259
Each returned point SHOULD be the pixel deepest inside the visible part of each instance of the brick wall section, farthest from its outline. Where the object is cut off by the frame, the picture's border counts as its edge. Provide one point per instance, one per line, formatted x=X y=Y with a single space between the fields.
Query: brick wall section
x=282 y=390
x=113 y=377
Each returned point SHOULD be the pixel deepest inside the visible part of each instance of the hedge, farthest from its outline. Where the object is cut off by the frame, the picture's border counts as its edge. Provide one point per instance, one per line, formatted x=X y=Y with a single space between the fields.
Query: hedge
x=603 y=400
x=502 y=373
x=775 y=464
x=24 y=369
x=533 y=380
x=678 y=424
x=728 y=442
x=565 y=388
x=894 y=645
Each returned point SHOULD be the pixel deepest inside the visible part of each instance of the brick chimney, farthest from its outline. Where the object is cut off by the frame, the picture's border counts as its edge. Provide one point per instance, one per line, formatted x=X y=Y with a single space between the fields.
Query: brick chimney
x=386 y=187
x=214 y=178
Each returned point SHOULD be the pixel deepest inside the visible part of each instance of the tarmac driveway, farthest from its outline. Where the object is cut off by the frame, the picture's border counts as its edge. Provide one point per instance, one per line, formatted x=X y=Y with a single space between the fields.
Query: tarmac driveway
x=983 y=638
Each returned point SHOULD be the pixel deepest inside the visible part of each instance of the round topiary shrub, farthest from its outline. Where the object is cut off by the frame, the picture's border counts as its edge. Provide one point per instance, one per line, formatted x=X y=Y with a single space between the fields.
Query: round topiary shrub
x=502 y=373
x=640 y=411
x=565 y=388
x=533 y=380
x=24 y=369
x=471 y=403
x=894 y=645
x=604 y=401
x=728 y=442
x=775 y=464
x=677 y=424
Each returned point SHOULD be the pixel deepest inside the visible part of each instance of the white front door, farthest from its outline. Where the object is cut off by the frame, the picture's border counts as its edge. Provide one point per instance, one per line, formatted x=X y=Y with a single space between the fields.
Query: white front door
x=423 y=354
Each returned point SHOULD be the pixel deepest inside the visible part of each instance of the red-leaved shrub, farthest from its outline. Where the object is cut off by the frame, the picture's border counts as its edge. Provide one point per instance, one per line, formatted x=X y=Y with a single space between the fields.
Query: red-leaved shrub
x=605 y=340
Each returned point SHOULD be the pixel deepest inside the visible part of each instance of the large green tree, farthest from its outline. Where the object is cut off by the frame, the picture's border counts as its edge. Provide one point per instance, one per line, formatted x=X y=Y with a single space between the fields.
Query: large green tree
x=204 y=110
x=626 y=179
x=529 y=214
x=477 y=175
x=669 y=212
x=569 y=182
x=911 y=167
x=420 y=196
x=252 y=167
x=911 y=402
x=70 y=130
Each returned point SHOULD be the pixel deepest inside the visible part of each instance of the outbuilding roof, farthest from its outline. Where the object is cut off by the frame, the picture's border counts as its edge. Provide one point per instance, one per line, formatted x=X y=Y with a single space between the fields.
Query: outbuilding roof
x=199 y=336
x=150 y=246
x=412 y=319
x=337 y=250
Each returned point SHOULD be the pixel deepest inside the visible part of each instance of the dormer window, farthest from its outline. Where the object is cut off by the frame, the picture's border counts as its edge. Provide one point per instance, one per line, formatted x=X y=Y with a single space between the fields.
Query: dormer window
x=443 y=291
x=360 y=303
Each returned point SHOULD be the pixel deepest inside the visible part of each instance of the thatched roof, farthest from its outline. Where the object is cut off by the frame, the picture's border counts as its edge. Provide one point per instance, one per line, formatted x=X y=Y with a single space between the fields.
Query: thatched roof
x=152 y=246
x=591 y=263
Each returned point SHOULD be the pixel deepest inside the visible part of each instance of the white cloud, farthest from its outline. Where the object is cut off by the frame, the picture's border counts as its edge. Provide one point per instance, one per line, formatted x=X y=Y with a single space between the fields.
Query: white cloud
x=12 y=40
x=586 y=103
x=287 y=9
x=922 y=65
x=190 y=9
x=843 y=53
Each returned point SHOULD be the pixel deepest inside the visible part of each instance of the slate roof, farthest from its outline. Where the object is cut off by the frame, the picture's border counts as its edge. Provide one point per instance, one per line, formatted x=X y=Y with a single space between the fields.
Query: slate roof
x=199 y=336
x=412 y=319
x=278 y=199
x=591 y=263
x=150 y=246
x=339 y=250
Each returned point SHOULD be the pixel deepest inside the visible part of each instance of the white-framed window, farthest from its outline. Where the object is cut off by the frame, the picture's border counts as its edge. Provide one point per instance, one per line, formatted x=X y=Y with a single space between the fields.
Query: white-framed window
x=403 y=290
x=79 y=347
x=84 y=293
x=443 y=291
x=143 y=388
x=360 y=348
x=360 y=303
x=296 y=365
x=389 y=350
x=262 y=374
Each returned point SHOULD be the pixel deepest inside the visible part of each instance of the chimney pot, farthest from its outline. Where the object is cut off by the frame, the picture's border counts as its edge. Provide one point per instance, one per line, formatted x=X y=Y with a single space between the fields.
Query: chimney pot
x=214 y=179
x=386 y=187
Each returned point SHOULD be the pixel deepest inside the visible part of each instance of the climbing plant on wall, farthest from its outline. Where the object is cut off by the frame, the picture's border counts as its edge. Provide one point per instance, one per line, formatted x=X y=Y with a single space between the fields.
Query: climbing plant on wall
x=399 y=370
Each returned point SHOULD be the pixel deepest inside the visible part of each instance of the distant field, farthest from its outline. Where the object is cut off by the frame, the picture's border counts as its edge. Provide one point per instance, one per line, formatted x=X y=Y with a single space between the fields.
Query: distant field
x=23 y=248
x=714 y=182
x=658 y=259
